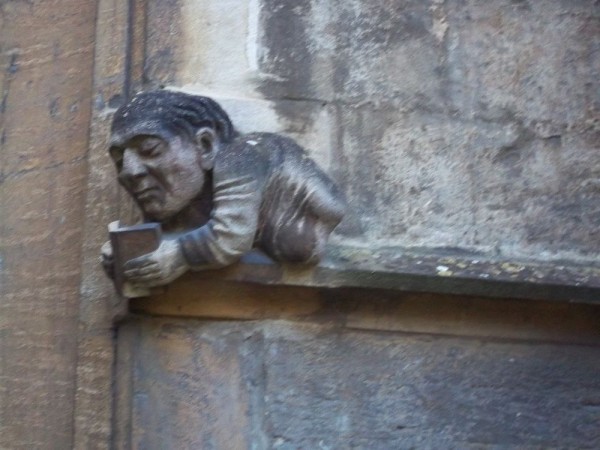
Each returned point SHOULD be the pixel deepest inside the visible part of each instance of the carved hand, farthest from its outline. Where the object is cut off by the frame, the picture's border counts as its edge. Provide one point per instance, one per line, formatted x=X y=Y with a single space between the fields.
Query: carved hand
x=158 y=268
x=107 y=260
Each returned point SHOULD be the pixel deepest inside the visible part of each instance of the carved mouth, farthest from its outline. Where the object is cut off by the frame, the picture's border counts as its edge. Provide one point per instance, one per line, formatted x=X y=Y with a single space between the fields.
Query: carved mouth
x=146 y=194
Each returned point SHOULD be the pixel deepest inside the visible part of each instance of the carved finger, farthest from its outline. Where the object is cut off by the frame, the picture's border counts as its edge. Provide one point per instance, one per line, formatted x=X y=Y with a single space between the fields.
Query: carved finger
x=139 y=263
x=131 y=275
x=136 y=271
x=148 y=269
x=148 y=278
x=136 y=275
x=109 y=267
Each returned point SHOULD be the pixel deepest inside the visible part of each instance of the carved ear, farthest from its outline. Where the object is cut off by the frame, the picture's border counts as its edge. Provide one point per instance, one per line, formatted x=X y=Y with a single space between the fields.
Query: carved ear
x=207 y=143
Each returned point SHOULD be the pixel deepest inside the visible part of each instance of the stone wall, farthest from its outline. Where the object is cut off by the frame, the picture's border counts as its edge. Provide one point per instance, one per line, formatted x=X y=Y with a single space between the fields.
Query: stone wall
x=459 y=125
x=455 y=124
x=46 y=60
x=452 y=126
x=337 y=369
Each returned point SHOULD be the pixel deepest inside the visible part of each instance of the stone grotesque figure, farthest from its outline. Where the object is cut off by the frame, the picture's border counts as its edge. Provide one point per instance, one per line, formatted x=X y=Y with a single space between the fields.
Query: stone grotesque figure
x=215 y=192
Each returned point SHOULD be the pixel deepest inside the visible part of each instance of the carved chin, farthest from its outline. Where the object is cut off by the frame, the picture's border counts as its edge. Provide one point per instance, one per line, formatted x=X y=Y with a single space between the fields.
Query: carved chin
x=156 y=210
x=153 y=209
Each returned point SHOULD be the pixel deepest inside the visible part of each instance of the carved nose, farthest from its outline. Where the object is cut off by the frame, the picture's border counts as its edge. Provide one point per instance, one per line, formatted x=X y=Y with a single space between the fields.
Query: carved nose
x=133 y=167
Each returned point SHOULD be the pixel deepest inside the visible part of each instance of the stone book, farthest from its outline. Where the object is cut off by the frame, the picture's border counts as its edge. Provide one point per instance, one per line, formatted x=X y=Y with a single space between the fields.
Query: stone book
x=129 y=243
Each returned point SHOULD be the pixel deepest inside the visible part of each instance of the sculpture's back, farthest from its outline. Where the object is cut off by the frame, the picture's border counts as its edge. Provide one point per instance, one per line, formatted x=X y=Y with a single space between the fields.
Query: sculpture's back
x=301 y=205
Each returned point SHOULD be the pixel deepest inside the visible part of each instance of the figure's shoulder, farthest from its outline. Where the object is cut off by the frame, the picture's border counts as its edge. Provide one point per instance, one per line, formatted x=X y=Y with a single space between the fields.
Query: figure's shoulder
x=279 y=140
x=242 y=156
x=272 y=146
x=261 y=152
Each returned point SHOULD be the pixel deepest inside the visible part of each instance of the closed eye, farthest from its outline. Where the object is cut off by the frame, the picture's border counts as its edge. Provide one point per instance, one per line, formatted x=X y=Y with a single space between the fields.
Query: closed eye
x=150 y=147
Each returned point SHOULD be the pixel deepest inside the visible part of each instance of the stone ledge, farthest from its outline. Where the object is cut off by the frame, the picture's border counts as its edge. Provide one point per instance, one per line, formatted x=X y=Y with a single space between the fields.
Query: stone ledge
x=442 y=273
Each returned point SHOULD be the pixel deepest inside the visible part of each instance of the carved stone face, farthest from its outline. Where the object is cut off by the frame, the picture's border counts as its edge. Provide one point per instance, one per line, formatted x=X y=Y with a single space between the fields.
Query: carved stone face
x=163 y=176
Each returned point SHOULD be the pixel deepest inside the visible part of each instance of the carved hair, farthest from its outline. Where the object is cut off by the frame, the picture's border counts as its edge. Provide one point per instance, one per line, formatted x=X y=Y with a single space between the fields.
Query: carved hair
x=163 y=111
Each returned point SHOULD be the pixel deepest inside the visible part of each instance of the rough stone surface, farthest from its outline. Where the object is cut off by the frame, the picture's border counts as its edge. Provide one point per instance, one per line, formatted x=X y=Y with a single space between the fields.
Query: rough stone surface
x=467 y=124
x=93 y=414
x=379 y=310
x=285 y=385
x=450 y=124
x=46 y=56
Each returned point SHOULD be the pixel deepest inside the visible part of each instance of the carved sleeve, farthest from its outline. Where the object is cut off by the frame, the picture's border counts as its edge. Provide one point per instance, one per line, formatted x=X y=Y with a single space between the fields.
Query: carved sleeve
x=233 y=222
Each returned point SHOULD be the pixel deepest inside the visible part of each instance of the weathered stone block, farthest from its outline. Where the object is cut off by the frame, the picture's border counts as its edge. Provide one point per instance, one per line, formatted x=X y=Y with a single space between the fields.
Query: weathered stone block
x=332 y=390
x=189 y=390
x=275 y=384
x=45 y=81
